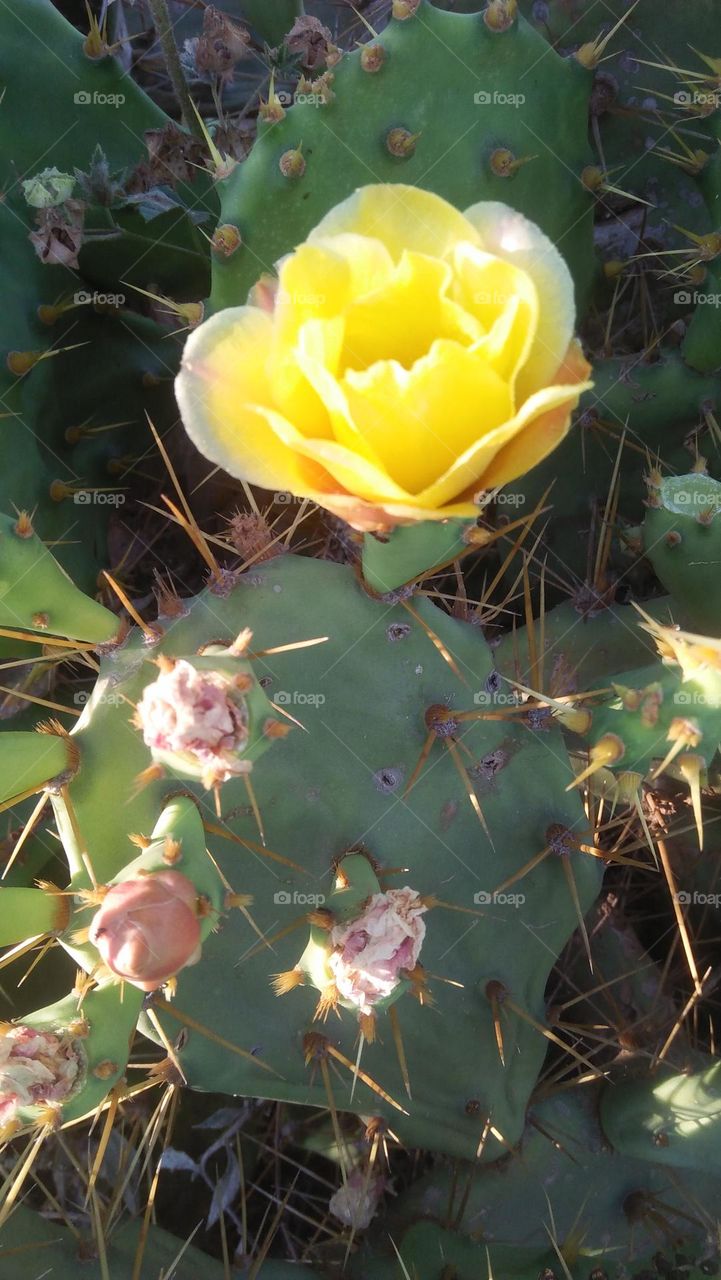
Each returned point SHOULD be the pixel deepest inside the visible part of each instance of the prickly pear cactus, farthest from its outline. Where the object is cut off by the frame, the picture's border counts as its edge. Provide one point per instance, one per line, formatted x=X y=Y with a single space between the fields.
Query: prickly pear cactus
x=324 y=831
x=383 y=814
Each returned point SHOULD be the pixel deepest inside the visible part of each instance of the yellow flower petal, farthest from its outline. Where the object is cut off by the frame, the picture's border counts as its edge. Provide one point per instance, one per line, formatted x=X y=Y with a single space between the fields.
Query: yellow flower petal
x=503 y=298
x=294 y=394
x=545 y=432
x=401 y=217
x=314 y=283
x=418 y=421
x=314 y=288
x=223 y=375
x=368 y=261
x=506 y=233
x=351 y=472
x=334 y=402
x=401 y=320
x=475 y=469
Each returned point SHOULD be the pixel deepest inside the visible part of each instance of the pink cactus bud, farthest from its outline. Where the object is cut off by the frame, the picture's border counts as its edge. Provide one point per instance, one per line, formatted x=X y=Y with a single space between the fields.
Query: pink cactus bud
x=37 y=1068
x=147 y=929
x=372 y=952
x=197 y=716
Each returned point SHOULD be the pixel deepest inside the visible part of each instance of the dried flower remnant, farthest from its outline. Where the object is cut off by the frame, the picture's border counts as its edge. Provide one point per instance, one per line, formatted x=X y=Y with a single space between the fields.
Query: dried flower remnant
x=198 y=717
x=372 y=953
x=355 y=1203
x=312 y=42
x=59 y=235
x=37 y=1068
x=220 y=46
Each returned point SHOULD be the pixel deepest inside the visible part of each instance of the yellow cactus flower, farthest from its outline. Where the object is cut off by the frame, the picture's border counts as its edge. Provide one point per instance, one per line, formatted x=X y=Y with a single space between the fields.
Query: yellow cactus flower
x=407 y=357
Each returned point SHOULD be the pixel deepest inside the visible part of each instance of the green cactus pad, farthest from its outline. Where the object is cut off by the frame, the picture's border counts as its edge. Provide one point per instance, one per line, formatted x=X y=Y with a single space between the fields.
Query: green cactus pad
x=487 y=89
x=682 y=539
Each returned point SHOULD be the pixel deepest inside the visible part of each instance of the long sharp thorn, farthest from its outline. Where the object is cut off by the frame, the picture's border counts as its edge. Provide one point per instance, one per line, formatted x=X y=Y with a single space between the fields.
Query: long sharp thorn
x=530 y=624
x=216 y=830
x=153 y=1019
x=535 y=861
x=149 y=632
x=99 y=1236
x=26 y=832
x=342 y=1157
x=644 y=826
x=551 y=1035
x=691 y=767
x=468 y=787
x=145 y=1228
x=680 y=920
x=367 y=1080
x=286 y=648
x=197 y=537
x=425 y=752
x=498 y=1029
x=254 y=807
x=72 y=819
x=573 y=890
x=213 y=1036
x=675 y=749
x=361 y=1042
x=103 y=1143
x=14 y=1182
x=484 y=1138
x=41 y=702
x=436 y=641
x=400 y=1050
